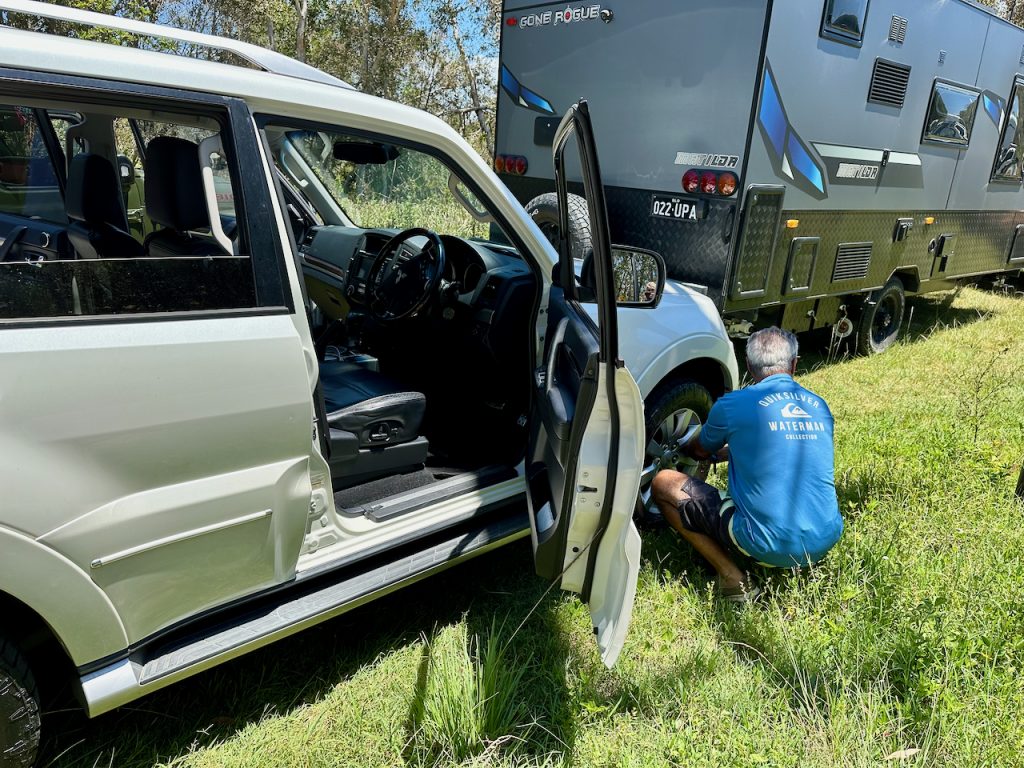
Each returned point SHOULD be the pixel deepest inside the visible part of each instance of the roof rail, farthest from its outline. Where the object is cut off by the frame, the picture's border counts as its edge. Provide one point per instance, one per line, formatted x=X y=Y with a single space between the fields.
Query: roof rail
x=269 y=61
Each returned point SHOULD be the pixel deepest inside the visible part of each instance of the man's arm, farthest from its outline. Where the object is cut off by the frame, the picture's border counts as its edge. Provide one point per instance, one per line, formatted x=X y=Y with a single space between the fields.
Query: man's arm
x=699 y=452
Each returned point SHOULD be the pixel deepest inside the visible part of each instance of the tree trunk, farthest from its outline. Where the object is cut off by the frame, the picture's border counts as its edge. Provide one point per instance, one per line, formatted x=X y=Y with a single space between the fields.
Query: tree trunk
x=474 y=93
x=302 y=9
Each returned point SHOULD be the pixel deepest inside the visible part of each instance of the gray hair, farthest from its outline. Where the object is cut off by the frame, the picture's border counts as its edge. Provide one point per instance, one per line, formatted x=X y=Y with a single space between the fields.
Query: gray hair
x=771 y=350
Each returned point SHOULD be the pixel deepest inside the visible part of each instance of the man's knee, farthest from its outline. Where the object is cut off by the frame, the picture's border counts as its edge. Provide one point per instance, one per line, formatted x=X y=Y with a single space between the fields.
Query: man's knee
x=667 y=486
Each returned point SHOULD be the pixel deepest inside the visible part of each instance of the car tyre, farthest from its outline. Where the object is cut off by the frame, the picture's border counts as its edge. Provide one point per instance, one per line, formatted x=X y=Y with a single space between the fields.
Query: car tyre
x=19 y=709
x=673 y=400
x=543 y=209
x=881 y=319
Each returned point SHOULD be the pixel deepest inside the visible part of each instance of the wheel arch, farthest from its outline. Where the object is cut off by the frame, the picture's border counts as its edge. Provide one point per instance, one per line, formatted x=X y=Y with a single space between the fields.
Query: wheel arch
x=708 y=372
x=909 y=276
x=57 y=600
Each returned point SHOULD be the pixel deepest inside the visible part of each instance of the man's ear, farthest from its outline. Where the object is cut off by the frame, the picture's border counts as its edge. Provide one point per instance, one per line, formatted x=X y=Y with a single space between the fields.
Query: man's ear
x=792 y=367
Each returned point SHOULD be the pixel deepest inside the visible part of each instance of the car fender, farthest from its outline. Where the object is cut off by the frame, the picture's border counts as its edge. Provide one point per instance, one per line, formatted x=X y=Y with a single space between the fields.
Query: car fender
x=75 y=609
x=685 y=326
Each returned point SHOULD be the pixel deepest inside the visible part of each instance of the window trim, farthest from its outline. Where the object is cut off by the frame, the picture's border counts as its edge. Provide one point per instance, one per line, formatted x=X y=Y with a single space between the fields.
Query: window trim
x=273 y=294
x=960 y=147
x=1018 y=85
x=830 y=33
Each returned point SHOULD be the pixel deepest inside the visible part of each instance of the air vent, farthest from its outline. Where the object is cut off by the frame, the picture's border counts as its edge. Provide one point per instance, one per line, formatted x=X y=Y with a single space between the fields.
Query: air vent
x=889 y=83
x=852 y=261
x=898 y=29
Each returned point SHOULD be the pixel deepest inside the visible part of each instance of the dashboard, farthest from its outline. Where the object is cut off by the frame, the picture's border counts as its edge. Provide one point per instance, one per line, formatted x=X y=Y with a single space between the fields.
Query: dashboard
x=336 y=262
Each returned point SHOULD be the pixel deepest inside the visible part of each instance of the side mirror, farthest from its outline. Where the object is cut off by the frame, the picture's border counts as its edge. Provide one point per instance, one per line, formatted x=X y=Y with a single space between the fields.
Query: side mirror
x=639 y=276
x=126 y=171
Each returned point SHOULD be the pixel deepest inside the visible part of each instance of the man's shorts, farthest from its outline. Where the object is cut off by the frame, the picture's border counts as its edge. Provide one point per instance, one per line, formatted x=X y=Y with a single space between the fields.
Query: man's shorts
x=709 y=511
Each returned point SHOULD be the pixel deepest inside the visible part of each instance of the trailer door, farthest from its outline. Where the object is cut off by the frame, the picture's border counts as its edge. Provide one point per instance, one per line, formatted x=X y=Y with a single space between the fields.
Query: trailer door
x=670 y=85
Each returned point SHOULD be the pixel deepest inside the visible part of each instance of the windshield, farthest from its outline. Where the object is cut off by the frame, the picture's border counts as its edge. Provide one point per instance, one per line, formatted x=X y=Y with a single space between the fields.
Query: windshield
x=384 y=186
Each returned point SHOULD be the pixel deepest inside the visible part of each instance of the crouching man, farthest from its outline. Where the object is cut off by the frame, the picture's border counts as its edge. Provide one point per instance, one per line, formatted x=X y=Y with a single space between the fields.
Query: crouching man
x=781 y=507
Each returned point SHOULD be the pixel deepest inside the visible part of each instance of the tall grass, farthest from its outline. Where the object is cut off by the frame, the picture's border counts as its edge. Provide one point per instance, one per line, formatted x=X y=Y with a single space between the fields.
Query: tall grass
x=470 y=701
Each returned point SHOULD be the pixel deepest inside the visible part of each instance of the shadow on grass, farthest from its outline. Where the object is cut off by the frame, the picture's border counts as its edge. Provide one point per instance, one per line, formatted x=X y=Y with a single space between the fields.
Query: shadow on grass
x=923 y=315
x=216 y=705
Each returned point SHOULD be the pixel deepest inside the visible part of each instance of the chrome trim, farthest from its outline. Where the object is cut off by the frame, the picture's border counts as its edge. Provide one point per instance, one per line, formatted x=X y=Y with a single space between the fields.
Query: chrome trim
x=99 y=562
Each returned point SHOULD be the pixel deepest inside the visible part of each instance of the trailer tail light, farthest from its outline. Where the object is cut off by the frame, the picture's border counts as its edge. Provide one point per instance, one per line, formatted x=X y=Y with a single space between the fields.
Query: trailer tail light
x=691 y=182
x=708 y=183
x=727 y=183
x=515 y=165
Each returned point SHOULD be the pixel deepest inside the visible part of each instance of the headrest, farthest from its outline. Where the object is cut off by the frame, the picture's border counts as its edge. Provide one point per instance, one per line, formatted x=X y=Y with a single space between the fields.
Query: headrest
x=94 y=192
x=175 y=196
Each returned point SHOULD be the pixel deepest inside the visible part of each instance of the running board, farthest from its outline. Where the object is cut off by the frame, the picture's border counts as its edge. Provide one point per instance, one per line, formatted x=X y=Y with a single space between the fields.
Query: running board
x=150 y=668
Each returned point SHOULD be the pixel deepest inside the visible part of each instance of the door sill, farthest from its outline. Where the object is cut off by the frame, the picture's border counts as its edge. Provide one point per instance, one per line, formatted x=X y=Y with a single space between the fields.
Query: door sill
x=228 y=634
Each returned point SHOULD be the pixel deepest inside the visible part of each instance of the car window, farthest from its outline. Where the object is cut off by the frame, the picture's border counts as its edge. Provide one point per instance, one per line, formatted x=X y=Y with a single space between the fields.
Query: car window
x=99 y=246
x=149 y=129
x=28 y=179
x=381 y=185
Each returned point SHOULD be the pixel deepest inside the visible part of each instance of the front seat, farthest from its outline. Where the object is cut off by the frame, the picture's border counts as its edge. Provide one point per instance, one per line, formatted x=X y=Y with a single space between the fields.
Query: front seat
x=98 y=226
x=176 y=200
x=374 y=423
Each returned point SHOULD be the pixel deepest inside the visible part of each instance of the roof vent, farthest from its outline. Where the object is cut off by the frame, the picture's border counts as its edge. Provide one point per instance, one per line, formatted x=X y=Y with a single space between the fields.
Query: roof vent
x=898 y=29
x=889 y=83
x=852 y=261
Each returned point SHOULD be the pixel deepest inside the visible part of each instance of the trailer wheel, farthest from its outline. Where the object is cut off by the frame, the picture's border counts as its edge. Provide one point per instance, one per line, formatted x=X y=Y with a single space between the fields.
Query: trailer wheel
x=881 y=318
x=544 y=211
x=19 y=709
x=672 y=408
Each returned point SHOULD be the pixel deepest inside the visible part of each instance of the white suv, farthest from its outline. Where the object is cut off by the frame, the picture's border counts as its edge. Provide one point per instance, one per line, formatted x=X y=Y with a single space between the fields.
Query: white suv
x=331 y=356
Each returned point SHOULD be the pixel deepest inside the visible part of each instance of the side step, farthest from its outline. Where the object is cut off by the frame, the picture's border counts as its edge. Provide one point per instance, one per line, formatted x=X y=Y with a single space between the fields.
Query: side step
x=259 y=623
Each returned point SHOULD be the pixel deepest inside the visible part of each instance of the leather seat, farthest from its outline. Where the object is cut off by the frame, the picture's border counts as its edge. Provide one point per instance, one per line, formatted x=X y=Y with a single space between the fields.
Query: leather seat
x=377 y=409
x=176 y=200
x=373 y=423
x=98 y=226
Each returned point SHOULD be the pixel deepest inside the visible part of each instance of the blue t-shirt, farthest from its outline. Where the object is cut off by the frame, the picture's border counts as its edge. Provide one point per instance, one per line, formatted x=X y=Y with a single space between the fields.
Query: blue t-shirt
x=781 y=470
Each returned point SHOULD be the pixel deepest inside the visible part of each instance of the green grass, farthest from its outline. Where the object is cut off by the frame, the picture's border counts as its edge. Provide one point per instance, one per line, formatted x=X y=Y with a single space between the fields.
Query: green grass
x=909 y=636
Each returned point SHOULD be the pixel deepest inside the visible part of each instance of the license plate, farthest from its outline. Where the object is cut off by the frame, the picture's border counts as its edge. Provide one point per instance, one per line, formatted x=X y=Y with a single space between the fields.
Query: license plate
x=677 y=208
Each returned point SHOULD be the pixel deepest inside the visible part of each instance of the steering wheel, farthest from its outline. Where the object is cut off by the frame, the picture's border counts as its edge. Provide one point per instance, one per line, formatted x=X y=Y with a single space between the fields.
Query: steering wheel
x=403 y=277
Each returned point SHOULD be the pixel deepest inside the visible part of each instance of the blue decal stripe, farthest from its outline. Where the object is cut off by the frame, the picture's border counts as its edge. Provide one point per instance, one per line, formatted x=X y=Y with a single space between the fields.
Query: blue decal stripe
x=802 y=162
x=522 y=95
x=772 y=118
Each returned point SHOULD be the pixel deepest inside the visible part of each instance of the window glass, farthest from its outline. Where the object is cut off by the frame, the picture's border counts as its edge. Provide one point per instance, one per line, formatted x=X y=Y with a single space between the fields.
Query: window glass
x=951 y=115
x=104 y=249
x=385 y=186
x=1008 y=156
x=844 y=19
x=132 y=176
x=28 y=181
x=148 y=129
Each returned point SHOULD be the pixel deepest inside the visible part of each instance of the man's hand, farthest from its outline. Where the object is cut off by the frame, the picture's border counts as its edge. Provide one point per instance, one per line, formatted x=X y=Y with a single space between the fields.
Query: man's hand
x=697 y=451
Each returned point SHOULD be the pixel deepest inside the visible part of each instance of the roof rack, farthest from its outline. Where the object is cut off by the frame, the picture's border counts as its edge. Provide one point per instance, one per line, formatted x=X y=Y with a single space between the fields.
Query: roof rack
x=269 y=61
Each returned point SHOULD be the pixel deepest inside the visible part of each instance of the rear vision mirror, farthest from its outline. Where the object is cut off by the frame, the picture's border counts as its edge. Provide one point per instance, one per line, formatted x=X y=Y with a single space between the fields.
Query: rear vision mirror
x=364 y=152
x=639 y=276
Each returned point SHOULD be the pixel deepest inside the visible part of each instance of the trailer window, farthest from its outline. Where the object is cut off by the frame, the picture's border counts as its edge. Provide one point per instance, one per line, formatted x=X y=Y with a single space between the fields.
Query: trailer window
x=950 y=115
x=1008 y=156
x=844 y=20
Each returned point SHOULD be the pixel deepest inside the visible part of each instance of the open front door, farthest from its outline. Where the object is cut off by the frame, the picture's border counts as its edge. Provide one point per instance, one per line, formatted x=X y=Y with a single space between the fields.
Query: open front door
x=586 y=443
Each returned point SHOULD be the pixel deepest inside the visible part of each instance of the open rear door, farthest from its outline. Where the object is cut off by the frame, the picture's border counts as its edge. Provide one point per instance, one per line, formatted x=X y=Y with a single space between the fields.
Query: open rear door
x=586 y=442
